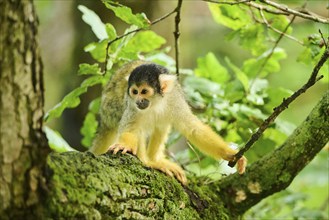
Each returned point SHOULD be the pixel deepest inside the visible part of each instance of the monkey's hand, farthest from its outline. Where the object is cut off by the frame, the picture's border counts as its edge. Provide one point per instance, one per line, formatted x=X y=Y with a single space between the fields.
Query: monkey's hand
x=127 y=142
x=115 y=148
x=169 y=168
x=241 y=165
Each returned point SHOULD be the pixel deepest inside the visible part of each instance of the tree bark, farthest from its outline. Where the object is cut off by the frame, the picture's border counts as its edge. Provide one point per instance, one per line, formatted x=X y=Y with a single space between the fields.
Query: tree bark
x=119 y=187
x=22 y=149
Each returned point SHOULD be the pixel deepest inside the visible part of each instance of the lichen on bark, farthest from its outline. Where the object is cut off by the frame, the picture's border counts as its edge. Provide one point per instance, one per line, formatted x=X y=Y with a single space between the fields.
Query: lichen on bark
x=112 y=186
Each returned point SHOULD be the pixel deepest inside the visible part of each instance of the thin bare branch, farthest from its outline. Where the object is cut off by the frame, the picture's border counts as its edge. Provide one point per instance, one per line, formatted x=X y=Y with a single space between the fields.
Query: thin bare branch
x=285 y=103
x=249 y=3
x=228 y=2
x=177 y=34
x=282 y=33
x=131 y=32
x=302 y=13
x=274 y=47
x=323 y=39
x=275 y=8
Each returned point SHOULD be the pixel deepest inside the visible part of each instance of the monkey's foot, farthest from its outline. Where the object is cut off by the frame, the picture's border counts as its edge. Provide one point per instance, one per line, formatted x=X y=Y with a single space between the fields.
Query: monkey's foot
x=169 y=168
x=115 y=148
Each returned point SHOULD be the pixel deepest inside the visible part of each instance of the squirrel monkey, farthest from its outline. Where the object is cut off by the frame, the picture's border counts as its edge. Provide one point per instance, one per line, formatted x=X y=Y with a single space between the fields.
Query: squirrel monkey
x=139 y=105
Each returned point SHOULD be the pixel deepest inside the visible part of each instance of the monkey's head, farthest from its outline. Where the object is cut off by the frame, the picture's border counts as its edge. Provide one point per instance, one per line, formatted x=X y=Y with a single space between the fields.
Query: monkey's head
x=148 y=83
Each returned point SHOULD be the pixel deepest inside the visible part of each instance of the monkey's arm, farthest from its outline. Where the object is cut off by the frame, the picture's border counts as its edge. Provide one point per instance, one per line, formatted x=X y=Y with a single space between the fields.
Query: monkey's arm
x=127 y=137
x=203 y=137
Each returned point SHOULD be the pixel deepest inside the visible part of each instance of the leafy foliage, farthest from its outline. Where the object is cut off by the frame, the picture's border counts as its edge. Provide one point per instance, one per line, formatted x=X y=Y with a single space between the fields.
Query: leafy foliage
x=233 y=98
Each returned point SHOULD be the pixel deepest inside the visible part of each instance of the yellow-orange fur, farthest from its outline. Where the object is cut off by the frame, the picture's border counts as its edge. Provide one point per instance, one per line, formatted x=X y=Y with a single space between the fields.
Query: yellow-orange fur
x=144 y=132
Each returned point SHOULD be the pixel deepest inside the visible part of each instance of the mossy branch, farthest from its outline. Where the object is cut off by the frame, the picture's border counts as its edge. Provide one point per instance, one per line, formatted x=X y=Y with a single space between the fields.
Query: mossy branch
x=275 y=171
x=82 y=186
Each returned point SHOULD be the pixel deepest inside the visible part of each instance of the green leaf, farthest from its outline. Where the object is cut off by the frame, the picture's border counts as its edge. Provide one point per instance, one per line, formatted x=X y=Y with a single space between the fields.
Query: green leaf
x=94 y=105
x=312 y=49
x=256 y=67
x=89 y=129
x=97 y=50
x=85 y=69
x=256 y=93
x=125 y=14
x=56 y=141
x=91 y=18
x=279 y=22
x=252 y=38
x=246 y=112
x=240 y=75
x=203 y=85
x=115 y=48
x=233 y=17
x=72 y=99
x=111 y=32
x=210 y=68
x=145 y=41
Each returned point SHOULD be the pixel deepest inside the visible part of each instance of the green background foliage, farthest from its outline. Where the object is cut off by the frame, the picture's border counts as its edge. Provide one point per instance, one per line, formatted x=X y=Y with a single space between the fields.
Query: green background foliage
x=233 y=96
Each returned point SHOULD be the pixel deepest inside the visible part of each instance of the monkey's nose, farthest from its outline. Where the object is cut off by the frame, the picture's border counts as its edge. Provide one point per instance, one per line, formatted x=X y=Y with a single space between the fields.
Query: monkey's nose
x=143 y=103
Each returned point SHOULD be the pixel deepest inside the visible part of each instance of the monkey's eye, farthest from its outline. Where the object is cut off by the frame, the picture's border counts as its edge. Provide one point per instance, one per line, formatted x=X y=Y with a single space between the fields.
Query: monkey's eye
x=144 y=91
x=135 y=91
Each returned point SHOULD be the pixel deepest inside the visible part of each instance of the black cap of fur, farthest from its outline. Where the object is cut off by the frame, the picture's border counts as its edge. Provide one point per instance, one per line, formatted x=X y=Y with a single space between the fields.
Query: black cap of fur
x=147 y=73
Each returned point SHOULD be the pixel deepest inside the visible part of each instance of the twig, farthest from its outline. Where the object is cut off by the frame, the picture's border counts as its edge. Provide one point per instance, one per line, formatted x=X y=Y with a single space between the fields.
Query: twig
x=278 y=31
x=323 y=39
x=228 y=2
x=250 y=3
x=131 y=32
x=276 y=8
x=177 y=33
x=273 y=48
x=285 y=103
x=267 y=58
x=304 y=14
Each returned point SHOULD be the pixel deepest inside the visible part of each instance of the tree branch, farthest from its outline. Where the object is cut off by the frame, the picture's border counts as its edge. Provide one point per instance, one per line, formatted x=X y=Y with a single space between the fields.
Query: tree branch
x=303 y=13
x=285 y=103
x=275 y=8
x=82 y=186
x=275 y=171
x=282 y=33
x=177 y=34
x=273 y=48
x=131 y=32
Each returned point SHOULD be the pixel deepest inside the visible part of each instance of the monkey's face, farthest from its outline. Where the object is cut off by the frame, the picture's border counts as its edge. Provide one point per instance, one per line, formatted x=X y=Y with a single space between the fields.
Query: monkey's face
x=142 y=95
x=148 y=84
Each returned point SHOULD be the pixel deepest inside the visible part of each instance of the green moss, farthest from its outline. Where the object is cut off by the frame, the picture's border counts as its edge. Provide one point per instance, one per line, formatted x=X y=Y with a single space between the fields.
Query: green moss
x=285 y=177
x=112 y=186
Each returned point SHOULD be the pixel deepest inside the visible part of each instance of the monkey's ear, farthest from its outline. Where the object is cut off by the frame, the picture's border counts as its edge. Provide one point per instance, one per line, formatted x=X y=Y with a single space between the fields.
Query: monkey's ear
x=167 y=82
x=127 y=77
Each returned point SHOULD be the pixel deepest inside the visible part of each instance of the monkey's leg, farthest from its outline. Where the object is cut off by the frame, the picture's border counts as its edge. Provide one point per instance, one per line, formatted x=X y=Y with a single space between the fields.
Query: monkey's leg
x=157 y=160
x=103 y=140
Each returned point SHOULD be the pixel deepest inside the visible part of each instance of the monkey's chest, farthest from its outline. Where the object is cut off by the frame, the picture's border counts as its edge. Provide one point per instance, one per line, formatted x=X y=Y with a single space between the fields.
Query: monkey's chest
x=154 y=121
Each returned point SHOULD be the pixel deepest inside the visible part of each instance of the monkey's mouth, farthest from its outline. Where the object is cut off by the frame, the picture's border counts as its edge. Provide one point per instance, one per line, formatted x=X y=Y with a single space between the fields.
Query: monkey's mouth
x=142 y=104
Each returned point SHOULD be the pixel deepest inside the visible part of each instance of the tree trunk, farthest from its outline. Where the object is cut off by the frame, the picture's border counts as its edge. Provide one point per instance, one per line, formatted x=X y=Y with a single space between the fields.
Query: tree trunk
x=82 y=186
x=22 y=149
